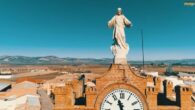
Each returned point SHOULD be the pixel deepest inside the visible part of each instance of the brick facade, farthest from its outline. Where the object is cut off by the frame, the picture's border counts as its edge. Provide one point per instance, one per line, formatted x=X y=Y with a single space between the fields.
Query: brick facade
x=120 y=76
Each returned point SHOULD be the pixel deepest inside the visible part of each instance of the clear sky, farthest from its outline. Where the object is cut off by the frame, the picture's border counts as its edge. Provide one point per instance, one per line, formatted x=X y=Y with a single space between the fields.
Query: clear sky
x=78 y=28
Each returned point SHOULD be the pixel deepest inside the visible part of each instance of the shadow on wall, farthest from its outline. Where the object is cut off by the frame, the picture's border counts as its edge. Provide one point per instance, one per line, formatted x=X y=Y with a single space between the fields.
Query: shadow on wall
x=80 y=101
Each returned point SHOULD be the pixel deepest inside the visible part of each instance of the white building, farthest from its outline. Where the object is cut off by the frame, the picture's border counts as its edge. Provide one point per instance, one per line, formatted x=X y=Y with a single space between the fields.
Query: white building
x=175 y=80
x=186 y=76
x=5 y=74
x=22 y=96
x=26 y=102
x=154 y=74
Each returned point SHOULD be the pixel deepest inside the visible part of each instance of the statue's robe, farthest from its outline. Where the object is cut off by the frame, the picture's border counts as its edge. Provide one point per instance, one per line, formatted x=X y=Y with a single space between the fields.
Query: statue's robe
x=119 y=22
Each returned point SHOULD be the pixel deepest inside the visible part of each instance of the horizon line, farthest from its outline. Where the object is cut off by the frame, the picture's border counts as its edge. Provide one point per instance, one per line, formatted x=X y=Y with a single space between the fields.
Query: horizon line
x=129 y=59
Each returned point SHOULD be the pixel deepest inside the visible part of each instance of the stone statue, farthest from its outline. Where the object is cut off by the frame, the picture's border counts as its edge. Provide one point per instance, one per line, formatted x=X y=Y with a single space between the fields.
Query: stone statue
x=119 y=47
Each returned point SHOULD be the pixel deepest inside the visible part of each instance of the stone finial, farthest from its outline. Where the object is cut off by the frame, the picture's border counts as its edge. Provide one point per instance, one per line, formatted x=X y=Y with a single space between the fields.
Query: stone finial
x=151 y=95
x=151 y=90
x=149 y=78
x=183 y=97
x=91 y=90
x=157 y=83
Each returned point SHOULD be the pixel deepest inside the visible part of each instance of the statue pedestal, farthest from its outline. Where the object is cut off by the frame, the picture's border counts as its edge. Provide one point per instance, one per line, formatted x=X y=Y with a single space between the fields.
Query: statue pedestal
x=120 y=54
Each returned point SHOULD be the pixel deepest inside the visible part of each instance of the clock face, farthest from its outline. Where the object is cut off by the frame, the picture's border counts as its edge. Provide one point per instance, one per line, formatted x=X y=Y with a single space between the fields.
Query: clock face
x=121 y=99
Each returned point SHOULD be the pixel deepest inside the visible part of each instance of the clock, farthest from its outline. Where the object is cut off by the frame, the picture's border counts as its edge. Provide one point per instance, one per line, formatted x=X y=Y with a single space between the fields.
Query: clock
x=121 y=99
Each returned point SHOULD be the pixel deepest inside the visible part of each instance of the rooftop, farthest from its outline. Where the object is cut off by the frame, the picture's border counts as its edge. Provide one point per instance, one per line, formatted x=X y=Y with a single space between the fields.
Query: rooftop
x=3 y=85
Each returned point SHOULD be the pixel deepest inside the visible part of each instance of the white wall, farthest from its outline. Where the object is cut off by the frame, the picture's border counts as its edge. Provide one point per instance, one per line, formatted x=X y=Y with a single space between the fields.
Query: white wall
x=5 y=76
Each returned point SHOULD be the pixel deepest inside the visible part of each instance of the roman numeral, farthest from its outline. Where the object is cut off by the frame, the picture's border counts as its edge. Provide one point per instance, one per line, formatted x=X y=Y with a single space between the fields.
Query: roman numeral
x=114 y=97
x=122 y=95
x=129 y=97
x=108 y=102
x=134 y=103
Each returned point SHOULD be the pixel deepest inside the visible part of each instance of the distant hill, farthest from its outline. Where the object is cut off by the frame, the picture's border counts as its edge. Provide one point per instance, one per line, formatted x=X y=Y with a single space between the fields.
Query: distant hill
x=22 y=60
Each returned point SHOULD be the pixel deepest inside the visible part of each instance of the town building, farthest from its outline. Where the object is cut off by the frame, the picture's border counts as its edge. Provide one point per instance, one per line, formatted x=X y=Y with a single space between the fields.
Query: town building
x=99 y=94
x=21 y=96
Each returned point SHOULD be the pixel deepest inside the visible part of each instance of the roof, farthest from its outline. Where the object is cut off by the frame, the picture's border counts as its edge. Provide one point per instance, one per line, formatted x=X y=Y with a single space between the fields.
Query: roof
x=34 y=101
x=29 y=79
x=3 y=85
x=25 y=84
x=90 y=84
x=12 y=104
x=189 y=82
x=152 y=73
x=181 y=74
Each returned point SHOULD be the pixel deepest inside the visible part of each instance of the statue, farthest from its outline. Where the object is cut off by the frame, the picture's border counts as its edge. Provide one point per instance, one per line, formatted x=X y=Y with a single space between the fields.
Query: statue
x=119 y=47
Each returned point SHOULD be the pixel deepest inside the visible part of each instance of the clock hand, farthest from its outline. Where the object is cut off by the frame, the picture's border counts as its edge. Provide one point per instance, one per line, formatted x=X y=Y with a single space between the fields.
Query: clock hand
x=120 y=104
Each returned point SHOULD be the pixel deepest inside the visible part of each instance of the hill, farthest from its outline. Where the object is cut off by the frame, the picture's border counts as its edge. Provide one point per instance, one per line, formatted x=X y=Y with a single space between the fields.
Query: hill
x=46 y=60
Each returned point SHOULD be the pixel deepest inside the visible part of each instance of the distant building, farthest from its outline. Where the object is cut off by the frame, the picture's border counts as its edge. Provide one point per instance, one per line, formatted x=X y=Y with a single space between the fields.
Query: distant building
x=26 y=102
x=4 y=86
x=120 y=78
x=23 y=69
x=174 y=80
x=134 y=68
x=154 y=74
x=186 y=76
x=5 y=74
x=191 y=84
x=22 y=96
x=169 y=70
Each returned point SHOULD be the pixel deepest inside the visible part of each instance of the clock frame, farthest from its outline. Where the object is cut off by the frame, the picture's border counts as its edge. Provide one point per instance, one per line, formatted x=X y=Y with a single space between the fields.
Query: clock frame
x=122 y=99
x=123 y=86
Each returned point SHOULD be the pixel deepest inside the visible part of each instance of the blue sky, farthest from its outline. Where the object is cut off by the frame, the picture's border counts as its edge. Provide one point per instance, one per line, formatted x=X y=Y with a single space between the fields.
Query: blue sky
x=78 y=28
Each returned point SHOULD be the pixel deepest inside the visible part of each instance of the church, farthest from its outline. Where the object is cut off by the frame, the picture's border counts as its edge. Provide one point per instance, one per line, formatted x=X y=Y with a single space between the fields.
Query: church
x=120 y=87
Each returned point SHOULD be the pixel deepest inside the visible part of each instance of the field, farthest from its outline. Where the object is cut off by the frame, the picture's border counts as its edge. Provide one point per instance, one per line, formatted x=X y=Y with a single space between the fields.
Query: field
x=57 y=70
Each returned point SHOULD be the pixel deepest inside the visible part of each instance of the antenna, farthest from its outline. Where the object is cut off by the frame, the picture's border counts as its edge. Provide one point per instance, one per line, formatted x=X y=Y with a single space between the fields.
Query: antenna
x=142 y=49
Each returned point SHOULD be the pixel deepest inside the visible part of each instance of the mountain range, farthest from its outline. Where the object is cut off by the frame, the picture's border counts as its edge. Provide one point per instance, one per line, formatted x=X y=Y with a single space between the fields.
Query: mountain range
x=22 y=60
